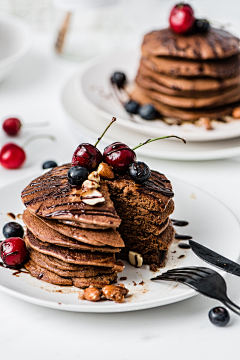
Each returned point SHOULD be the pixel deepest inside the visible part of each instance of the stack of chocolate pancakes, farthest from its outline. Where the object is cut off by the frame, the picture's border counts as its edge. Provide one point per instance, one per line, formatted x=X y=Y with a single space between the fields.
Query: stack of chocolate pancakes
x=189 y=76
x=73 y=243
x=69 y=242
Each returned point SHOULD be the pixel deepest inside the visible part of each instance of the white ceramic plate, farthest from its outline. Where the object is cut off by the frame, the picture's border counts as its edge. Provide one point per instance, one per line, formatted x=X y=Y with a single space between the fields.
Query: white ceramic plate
x=15 y=42
x=96 y=91
x=210 y=223
x=84 y=121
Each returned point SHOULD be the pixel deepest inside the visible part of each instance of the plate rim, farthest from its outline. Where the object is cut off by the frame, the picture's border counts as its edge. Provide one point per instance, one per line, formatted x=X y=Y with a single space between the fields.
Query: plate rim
x=126 y=124
x=142 y=305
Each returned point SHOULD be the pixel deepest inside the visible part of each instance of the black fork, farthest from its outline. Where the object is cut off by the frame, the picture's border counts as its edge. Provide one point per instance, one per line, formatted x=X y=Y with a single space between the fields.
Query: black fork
x=204 y=280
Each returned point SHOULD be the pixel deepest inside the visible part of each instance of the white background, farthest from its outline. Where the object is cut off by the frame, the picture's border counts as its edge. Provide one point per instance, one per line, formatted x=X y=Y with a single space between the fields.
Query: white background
x=178 y=331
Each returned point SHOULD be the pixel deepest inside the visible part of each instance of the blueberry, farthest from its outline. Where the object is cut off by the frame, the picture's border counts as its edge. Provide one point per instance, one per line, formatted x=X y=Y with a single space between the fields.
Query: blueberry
x=201 y=25
x=49 y=164
x=132 y=107
x=118 y=78
x=13 y=229
x=77 y=175
x=139 y=171
x=148 y=112
x=219 y=316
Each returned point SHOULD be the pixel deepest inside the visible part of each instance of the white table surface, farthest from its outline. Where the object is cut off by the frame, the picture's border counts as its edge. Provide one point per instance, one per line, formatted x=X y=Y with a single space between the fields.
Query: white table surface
x=177 y=331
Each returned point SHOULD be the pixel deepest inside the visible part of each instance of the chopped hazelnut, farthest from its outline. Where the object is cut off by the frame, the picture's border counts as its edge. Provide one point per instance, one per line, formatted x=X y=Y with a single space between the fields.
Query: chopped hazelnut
x=135 y=259
x=92 y=197
x=115 y=292
x=90 y=184
x=105 y=171
x=94 y=176
x=92 y=294
x=236 y=113
x=206 y=122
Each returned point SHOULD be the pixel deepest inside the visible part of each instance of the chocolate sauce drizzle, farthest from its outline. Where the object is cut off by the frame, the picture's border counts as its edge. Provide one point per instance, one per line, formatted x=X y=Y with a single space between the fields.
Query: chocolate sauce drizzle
x=184 y=246
x=179 y=222
x=183 y=237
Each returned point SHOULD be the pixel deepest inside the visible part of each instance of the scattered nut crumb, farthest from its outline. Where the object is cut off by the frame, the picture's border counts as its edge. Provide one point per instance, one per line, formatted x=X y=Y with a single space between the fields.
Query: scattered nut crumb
x=115 y=292
x=236 y=113
x=134 y=284
x=141 y=283
x=206 y=122
x=123 y=278
x=92 y=294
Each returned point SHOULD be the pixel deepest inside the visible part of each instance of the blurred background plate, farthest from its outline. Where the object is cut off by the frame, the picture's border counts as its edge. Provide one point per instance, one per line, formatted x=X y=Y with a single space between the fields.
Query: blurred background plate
x=82 y=121
x=15 y=42
x=96 y=91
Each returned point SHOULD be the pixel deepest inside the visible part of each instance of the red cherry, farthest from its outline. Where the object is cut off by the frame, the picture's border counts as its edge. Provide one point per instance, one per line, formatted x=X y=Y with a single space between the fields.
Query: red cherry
x=12 y=126
x=13 y=251
x=12 y=156
x=181 y=18
x=119 y=156
x=88 y=156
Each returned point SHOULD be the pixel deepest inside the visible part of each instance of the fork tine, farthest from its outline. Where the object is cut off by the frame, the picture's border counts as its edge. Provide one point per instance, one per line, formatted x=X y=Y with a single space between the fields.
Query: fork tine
x=189 y=273
x=193 y=268
x=180 y=278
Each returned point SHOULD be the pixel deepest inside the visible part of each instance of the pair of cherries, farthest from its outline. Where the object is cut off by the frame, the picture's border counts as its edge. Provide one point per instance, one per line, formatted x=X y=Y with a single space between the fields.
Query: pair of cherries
x=182 y=20
x=118 y=155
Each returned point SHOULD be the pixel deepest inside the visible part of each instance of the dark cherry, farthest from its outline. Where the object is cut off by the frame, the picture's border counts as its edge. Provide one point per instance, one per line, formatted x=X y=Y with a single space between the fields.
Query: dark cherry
x=88 y=156
x=201 y=25
x=219 y=316
x=118 y=78
x=139 y=171
x=12 y=229
x=13 y=251
x=119 y=156
x=12 y=126
x=181 y=19
x=148 y=112
x=49 y=164
x=132 y=107
x=77 y=175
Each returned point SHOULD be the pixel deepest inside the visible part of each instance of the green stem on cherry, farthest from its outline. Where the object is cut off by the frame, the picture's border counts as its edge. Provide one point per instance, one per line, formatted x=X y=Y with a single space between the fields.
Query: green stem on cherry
x=35 y=137
x=163 y=137
x=112 y=121
x=44 y=123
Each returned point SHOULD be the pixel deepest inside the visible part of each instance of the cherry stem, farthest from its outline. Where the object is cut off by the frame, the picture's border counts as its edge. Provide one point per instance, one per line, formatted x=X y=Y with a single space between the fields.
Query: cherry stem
x=163 y=137
x=42 y=136
x=112 y=121
x=46 y=123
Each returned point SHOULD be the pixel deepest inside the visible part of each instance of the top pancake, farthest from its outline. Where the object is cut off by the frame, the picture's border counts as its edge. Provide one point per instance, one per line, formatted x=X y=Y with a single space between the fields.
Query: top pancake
x=213 y=44
x=51 y=196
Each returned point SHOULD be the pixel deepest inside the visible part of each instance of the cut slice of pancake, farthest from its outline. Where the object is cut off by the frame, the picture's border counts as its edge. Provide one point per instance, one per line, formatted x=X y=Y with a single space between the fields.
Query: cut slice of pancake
x=185 y=67
x=82 y=271
x=213 y=44
x=46 y=233
x=188 y=83
x=52 y=196
x=50 y=277
x=72 y=256
x=179 y=113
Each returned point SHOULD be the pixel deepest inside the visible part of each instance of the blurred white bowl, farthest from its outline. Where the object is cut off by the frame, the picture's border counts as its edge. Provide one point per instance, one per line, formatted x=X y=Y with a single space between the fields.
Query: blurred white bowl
x=15 y=42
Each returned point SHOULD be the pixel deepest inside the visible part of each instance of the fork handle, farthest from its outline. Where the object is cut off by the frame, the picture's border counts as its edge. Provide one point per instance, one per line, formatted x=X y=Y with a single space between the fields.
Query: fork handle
x=227 y=302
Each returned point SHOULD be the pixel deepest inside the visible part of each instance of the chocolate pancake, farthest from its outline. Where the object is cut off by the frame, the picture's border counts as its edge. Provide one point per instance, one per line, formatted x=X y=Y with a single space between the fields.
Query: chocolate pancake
x=51 y=196
x=181 y=83
x=227 y=97
x=72 y=256
x=220 y=69
x=213 y=44
x=50 y=231
x=149 y=84
x=82 y=271
x=50 y=277
x=180 y=113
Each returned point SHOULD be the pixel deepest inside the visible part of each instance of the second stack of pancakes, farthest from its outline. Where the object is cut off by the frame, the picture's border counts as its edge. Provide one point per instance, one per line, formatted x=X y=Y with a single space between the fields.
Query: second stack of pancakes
x=65 y=249
x=189 y=76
